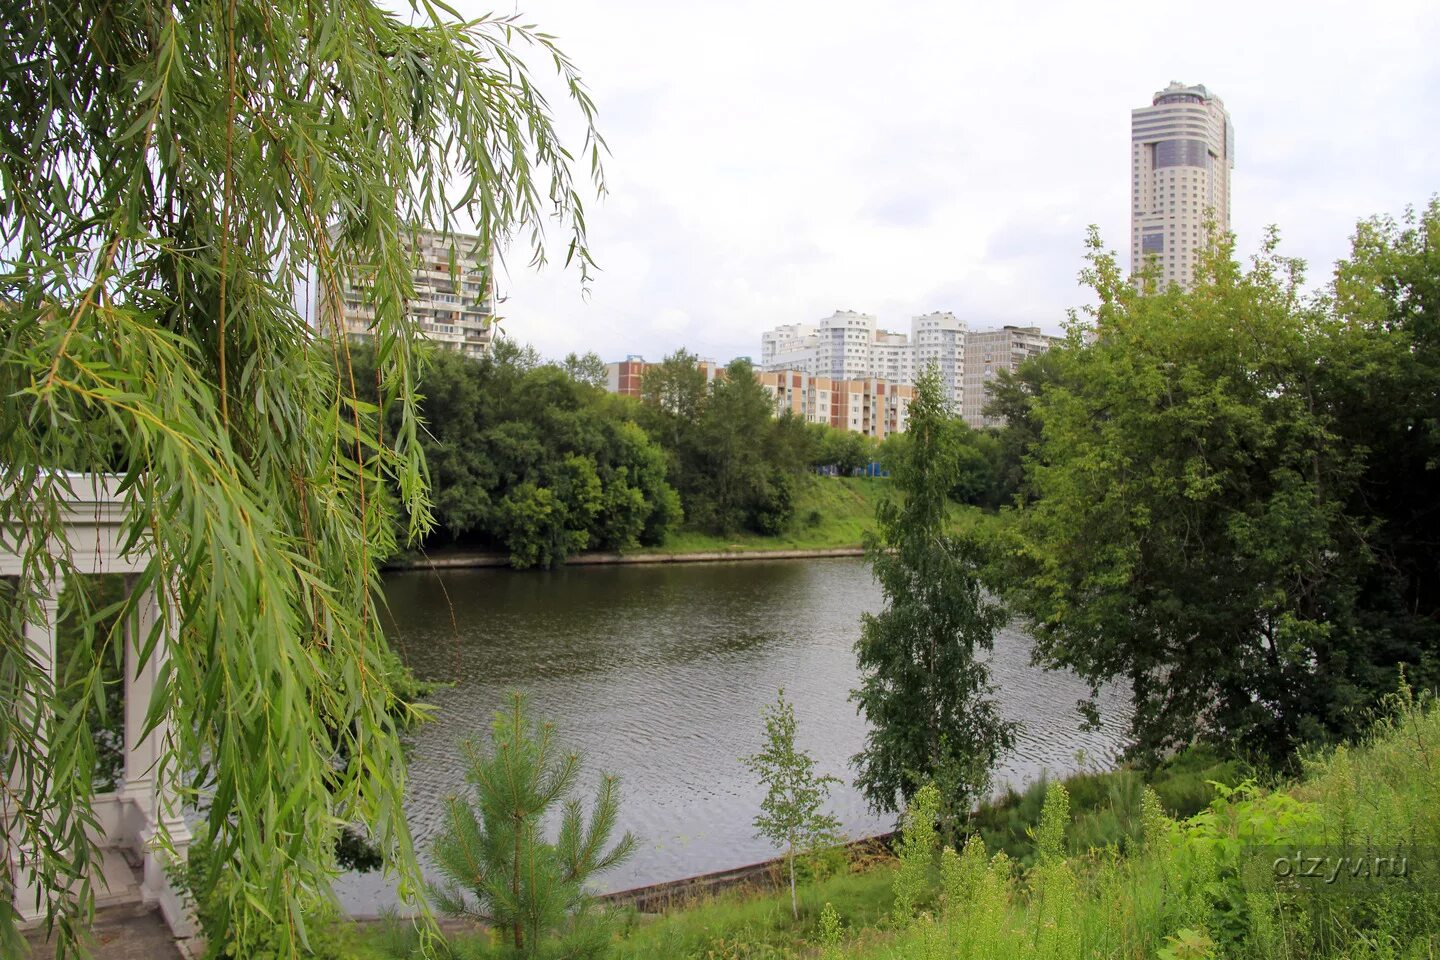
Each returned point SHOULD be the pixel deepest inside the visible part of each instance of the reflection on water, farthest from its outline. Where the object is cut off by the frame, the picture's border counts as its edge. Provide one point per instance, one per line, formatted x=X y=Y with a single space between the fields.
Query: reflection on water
x=658 y=673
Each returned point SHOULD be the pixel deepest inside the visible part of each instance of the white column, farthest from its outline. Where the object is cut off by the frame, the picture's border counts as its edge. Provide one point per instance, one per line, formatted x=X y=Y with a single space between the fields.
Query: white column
x=141 y=750
x=40 y=641
x=153 y=799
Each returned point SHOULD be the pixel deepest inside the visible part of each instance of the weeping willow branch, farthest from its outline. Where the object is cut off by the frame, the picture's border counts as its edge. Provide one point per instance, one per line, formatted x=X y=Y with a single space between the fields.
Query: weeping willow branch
x=169 y=174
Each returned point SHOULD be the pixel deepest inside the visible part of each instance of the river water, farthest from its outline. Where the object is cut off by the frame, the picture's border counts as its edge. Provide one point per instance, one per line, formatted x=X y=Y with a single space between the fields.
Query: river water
x=658 y=673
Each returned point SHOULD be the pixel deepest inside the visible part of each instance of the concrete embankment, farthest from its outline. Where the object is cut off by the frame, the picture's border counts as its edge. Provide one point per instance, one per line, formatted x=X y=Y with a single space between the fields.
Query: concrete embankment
x=767 y=874
x=449 y=561
x=677 y=894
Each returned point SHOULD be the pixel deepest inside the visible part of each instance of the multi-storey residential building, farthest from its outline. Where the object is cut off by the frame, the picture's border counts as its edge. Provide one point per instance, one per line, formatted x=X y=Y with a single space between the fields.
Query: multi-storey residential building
x=939 y=340
x=625 y=377
x=987 y=352
x=1182 y=148
x=790 y=346
x=454 y=302
x=845 y=345
x=868 y=405
x=892 y=357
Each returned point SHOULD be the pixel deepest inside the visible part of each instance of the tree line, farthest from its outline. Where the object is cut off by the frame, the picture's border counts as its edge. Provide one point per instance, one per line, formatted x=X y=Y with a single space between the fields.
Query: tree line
x=535 y=459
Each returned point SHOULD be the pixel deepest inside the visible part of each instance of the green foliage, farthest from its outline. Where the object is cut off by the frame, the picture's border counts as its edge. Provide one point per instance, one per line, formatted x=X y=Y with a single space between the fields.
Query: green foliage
x=1225 y=488
x=761 y=924
x=1054 y=819
x=1107 y=808
x=734 y=463
x=924 y=687
x=172 y=174
x=919 y=846
x=832 y=935
x=587 y=369
x=845 y=450
x=498 y=869
x=527 y=458
x=792 y=815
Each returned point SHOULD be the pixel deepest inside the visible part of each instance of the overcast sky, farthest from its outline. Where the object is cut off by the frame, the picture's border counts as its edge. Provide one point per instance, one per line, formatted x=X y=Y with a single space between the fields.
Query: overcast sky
x=772 y=162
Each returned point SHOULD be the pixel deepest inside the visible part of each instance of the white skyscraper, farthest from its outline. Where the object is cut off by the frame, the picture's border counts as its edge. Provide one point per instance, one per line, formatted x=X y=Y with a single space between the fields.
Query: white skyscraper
x=1181 y=152
x=939 y=339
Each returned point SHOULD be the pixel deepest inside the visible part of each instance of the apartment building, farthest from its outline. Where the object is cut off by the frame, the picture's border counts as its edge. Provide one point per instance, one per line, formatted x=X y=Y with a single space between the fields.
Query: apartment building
x=892 y=357
x=1182 y=149
x=454 y=294
x=870 y=405
x=790 y=346
x=626 y=377
x=987 y=352
x=846 y=345
x=939 y=341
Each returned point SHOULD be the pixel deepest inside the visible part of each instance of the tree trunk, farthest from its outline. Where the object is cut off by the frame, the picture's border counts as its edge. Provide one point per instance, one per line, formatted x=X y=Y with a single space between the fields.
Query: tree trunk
x=794 y=905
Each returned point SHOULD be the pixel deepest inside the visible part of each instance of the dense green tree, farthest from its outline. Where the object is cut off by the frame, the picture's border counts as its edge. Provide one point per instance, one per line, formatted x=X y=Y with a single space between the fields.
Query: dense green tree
x=924 y=685
x=733 y=462
x=735 y=484
x=169 y=175
x=526 y=459
x=1206 y=514
x=498 y=868
x=792 y=816
x=585 y=368
x=1382 y=384
x=674 y=391
x=846 y=451
x=791 y=443
x=1010 y=398
x=977 y=464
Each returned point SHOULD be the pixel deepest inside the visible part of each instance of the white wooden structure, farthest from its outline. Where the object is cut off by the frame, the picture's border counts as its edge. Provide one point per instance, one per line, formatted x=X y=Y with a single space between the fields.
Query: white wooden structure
x=130 y=818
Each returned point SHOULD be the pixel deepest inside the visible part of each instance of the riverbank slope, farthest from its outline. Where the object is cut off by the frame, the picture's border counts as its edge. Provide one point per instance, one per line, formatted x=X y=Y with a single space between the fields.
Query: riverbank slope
x=832 y=515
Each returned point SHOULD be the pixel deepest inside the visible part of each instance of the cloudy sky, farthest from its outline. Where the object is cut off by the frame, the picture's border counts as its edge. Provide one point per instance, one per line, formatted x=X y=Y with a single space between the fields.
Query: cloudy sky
x=772 y=162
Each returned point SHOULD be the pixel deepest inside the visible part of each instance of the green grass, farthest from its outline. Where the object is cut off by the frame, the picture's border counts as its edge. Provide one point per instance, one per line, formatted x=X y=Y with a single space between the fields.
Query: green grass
x=1105 y=806
x=830 y=512
x=757 y=924
x=1199 y=887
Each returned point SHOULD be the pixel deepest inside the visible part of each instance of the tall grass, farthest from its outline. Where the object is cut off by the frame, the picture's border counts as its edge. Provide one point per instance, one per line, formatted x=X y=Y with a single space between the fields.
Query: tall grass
x=1108 y=866
x=1212 y=885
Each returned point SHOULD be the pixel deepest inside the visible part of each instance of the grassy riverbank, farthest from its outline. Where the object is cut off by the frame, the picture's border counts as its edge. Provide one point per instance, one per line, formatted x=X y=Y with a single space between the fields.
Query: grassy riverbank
x=829 y=512
x=1152 y=883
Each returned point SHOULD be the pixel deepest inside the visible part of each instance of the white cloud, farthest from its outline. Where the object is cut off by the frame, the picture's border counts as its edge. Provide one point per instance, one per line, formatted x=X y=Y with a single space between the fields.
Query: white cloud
x=774 y=161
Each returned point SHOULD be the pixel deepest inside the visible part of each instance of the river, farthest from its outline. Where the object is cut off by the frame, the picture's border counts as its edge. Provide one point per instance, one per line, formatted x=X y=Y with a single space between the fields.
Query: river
x=657 y=673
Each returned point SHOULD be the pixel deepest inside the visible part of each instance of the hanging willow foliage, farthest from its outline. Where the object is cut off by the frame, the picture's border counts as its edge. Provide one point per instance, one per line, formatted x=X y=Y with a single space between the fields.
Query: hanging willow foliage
x=169 y=175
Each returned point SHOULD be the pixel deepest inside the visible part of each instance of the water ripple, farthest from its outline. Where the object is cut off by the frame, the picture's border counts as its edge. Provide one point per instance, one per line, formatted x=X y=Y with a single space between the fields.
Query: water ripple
x=658 y=674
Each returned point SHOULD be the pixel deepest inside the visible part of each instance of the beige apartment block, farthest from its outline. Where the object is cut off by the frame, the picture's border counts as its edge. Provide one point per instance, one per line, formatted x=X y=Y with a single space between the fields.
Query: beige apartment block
x=1182 y=149
x=987 y=352
x=454 y=294
x=870 y=405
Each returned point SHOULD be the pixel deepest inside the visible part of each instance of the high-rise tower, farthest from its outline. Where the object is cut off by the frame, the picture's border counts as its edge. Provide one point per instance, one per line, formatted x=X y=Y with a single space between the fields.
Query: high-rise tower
x=1182 y=148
